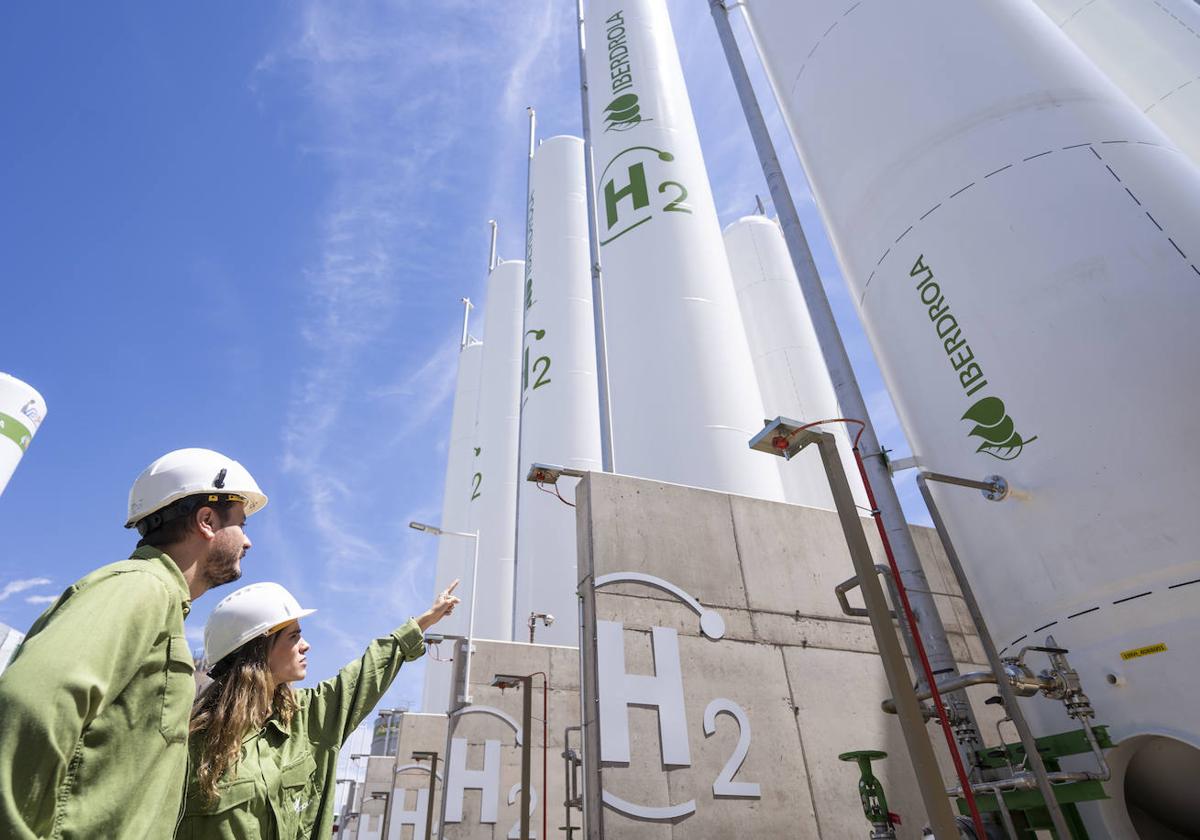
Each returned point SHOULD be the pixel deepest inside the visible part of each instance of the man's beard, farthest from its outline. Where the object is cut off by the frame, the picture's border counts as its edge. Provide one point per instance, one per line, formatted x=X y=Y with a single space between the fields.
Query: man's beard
x=222 y=566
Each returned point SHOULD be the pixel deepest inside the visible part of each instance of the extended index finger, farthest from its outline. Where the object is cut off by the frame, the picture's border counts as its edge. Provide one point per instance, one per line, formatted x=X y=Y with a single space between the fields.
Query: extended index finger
x=450 y=588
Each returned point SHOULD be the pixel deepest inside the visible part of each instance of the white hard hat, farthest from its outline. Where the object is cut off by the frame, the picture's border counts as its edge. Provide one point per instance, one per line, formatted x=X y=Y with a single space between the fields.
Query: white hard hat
x=188 y=472
x=252 y=611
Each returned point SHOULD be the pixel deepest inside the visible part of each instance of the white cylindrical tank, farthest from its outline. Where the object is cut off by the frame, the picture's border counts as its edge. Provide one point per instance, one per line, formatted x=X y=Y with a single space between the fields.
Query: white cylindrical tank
x=21 y=412
x=1151 y=51
x=1024 y=249
x=791 y=373
x=492 y=508
x=454 y=554
x=684 y=400
x=560 y=414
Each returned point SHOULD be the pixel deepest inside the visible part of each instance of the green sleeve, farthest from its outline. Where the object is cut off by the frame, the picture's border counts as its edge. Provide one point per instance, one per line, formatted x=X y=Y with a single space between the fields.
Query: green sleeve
x=337 y=706
x=76 y=658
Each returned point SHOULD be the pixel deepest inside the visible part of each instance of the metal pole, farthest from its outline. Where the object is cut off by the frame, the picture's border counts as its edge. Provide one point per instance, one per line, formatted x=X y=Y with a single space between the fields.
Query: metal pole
x=845 y=385
x=387 y=808
x=467 y=307
x=465 y=697
x=908 y=708
x=1007 y=694
x=589 y=174
x=492 y=247
x=526 y=302
x=433 y=762
x=526 y=751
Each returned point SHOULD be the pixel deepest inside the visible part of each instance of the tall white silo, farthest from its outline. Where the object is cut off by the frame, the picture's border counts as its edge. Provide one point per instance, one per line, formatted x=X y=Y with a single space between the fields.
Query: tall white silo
x=560 y=414
x=1151 y=51
x=683 y=397
x=492 y=498
x=454 y=554
x=791 y=373
x=21 y=412
x=1024 y=249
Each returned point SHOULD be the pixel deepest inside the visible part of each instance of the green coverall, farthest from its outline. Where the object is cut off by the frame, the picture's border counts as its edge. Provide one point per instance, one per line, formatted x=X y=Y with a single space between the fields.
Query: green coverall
x=283 y=787
x=94 y=709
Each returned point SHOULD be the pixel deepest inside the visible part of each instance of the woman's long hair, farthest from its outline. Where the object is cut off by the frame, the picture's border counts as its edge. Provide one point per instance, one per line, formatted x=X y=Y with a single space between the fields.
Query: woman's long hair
x=241 y=698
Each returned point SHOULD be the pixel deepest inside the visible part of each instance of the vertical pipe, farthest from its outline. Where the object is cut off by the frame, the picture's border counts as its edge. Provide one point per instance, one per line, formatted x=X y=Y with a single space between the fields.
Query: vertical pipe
x=526 y=751
x=1011 y=705
x=433 y=762
x=606 y=437
x=492 y=247
x=467 y=307
x=908 y=709
x=465 y=697
x=849 y=396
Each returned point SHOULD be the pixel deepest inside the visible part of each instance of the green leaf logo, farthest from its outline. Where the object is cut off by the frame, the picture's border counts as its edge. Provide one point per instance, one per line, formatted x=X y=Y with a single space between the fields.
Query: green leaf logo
x=623 y=113
x=995 y=429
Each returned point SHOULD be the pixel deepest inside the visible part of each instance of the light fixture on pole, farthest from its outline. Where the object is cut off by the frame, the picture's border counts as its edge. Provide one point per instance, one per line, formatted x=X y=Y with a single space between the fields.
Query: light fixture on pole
x=503 y=681
x=534 y=618
x=420 y=755
x=465 y=697
x=386 y=796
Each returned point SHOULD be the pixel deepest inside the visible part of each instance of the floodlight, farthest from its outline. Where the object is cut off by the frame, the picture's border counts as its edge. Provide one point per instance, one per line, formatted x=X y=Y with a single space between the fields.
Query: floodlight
x=783 y=437
x=550 y=473
x=428 y=529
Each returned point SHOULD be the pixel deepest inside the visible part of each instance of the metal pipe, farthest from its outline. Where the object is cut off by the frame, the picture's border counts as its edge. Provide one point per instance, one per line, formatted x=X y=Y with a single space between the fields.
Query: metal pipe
x=912 y=724
x=845 y=586
x=467 y=307
x=589 y=174
x=837 y=361
x=1027 y=684
x=492 y=247
x=1007 y=695
x=526 y=752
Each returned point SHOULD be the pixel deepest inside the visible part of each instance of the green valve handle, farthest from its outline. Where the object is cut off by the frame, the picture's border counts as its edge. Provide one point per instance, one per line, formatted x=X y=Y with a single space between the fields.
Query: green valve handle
x=870 y=789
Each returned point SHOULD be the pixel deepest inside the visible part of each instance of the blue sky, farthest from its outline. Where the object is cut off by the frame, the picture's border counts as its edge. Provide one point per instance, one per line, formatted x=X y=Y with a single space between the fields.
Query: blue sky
x=246 y=226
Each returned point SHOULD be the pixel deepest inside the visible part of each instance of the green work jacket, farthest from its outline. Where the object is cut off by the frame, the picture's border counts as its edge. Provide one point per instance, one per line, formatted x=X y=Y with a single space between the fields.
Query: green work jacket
x=94 y=709
x=284 y=784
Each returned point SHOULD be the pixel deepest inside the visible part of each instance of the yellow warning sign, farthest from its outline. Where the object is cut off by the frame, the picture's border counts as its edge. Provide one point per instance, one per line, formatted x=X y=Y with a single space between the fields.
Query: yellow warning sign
x=1144 y=651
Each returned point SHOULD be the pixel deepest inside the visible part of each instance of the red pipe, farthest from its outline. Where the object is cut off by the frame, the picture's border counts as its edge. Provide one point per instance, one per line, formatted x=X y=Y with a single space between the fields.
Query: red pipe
x=927 y=669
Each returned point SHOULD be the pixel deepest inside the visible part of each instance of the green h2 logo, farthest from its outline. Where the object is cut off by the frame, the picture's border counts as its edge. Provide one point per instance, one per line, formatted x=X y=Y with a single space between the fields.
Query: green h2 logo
x=627 y=196
x=623 y=113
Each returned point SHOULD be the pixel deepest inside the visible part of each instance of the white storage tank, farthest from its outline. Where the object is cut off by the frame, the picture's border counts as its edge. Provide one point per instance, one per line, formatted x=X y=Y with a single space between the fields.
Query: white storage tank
x=684 y=399
x=1151 y=51
x=22 y=410
x=492 y=490
x=560 y=414
x=787 y=357
x=454 y=554
x=1024 y=248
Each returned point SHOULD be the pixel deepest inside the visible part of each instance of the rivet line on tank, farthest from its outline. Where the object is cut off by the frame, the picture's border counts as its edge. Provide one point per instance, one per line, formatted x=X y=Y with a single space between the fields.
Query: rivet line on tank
x=1110 y=172
x=1156 y=224
x=930 y=210
x=1186 y=582
x=1044 y=626
x=1018 y=640
x=1170 y=93
x=901 y=236
x=1084 y=612
x=1130 y=598
x=1177 y=248
x=1134 y=197
x=998 y=171
x=1038 y=155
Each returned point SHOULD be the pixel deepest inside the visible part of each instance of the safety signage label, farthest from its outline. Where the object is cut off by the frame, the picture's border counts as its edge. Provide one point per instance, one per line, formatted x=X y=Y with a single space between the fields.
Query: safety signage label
x=1148 y=650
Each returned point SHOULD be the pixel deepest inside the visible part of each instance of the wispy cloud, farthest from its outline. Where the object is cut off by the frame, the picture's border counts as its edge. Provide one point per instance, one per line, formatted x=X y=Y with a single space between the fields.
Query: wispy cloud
x=14 y=586
x=41 y=599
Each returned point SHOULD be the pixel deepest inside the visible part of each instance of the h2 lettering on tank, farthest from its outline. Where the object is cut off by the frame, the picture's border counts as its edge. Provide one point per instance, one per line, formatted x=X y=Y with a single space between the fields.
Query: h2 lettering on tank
x=996 y=431
x=629 y=201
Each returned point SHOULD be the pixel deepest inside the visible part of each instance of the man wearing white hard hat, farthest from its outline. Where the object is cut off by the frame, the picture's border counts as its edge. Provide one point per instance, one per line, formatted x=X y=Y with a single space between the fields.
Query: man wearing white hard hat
x=96 y=700
x=264 y=757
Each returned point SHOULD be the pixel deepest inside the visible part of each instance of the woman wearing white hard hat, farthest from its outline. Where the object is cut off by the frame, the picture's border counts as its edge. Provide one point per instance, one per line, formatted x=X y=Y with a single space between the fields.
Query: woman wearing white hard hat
x=264 y=756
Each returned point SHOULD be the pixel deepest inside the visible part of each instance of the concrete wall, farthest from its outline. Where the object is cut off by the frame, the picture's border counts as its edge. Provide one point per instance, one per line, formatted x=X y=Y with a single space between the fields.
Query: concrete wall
x=406 y=781
x=807 y=678
x=474 y=730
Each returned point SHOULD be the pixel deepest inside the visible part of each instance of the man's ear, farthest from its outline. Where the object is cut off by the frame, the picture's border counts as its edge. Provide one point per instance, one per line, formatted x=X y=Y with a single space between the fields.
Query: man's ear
x=207 y=523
